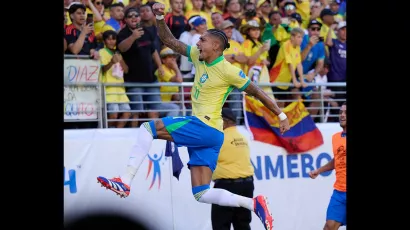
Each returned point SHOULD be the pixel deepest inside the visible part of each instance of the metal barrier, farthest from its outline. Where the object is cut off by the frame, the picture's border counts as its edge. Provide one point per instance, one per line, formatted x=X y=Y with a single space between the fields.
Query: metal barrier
x=91 y=104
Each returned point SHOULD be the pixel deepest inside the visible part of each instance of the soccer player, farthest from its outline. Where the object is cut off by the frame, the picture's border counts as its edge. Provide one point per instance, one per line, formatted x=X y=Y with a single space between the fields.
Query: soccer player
x=336 y=211
x=201 y=133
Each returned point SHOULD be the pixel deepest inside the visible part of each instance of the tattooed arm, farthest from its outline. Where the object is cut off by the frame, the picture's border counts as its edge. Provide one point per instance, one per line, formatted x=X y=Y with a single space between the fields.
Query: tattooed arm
x=169 y=40
x=165 y=34
x=257 y=92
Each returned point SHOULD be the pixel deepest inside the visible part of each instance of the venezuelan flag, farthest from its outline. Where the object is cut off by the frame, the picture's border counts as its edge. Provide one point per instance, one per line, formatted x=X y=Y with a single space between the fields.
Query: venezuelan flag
x=264 y=125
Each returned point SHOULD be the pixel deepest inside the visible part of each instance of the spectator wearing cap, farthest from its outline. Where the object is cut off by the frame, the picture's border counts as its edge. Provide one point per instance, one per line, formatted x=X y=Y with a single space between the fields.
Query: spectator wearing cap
x=334 y=7
x=295 y=21
x=186 y=38
x=171 y=73
x=327 y=18
x=264 y=7
x=197 y=10
x=337 y=58
x=137 y=48
x=176 y=20
x=80 y=36
x=233 y=172
x=112 y=69
x=200 y=26
x=235 y=55
x=287 y=63
x=254 y=50
x=313 y=56
x=217 y=21
x=115 y=22
x=256 y=53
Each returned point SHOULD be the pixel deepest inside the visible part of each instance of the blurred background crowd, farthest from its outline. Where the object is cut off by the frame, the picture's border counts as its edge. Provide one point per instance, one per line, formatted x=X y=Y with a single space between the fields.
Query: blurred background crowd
x=289 y=43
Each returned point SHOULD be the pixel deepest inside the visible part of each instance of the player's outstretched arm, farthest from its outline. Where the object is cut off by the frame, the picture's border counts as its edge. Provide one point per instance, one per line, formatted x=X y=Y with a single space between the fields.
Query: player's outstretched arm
x=165 y=34
x=327 y=167
x=257 y=92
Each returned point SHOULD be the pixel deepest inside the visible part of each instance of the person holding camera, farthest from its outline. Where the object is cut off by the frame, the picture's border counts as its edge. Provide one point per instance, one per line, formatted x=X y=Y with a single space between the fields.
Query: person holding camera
x=313 y=56
x=250 y=14
x=137 y=48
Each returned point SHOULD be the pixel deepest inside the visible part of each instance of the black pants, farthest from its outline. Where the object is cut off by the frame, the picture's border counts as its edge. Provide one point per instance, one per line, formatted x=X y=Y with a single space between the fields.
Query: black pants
x=222 y=217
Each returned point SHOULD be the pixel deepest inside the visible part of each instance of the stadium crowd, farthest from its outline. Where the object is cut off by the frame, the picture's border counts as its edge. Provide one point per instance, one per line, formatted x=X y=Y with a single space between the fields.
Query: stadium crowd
x=280 y=41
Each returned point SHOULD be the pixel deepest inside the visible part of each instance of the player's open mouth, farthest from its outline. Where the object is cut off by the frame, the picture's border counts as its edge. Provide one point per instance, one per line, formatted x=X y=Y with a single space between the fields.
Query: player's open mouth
x=200 y=51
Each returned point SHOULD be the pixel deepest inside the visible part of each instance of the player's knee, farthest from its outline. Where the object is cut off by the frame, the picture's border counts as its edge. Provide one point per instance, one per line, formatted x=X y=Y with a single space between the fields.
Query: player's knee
x=199 y=191
x=150 y=127
x=330 y=225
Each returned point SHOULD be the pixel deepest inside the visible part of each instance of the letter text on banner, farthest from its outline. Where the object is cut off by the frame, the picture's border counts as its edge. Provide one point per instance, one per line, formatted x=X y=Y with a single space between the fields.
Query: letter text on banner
x=81 y=102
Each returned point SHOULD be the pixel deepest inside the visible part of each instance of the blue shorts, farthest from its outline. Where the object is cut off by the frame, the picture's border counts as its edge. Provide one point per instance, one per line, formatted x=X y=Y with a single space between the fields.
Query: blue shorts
x=337 y=207
x=203 y=141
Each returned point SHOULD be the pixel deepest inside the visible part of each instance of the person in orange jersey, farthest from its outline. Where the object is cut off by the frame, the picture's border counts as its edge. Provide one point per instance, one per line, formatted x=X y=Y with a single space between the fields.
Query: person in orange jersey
x=336 y=211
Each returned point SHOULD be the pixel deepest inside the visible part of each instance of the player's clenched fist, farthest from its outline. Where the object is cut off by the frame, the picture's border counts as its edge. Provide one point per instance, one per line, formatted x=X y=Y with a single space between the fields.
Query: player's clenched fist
x=158 y=8
x=313 y=174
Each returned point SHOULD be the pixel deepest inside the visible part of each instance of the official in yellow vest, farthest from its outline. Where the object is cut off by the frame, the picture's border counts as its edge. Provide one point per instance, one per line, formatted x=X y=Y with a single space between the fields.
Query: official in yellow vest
x=234 y=172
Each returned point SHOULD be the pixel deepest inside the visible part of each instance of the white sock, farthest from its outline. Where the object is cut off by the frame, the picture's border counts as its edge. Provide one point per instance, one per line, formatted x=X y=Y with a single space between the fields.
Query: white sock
x=138 y=153
x=225 y=198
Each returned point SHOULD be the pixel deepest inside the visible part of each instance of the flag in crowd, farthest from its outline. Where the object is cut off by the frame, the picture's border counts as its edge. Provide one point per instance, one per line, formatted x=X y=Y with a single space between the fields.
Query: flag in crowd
x=264 y=125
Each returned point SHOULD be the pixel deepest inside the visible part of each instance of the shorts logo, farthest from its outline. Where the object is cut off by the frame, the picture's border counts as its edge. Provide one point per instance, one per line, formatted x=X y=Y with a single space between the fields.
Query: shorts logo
x=203 y=78
x=242 y=74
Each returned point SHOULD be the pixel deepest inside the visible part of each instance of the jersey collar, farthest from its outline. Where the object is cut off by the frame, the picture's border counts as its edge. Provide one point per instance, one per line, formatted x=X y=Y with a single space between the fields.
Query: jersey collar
x=220 y=58
x=343 y=134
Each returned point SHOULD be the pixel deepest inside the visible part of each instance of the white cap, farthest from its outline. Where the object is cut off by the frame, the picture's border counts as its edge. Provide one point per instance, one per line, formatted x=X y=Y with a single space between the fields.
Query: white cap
x=341 y=25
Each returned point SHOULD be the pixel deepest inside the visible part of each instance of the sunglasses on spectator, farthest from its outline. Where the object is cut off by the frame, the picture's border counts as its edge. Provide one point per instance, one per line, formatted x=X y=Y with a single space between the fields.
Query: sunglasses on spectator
x=315 y=28
x=289 y=7
x=98 y=3
x=132 y=15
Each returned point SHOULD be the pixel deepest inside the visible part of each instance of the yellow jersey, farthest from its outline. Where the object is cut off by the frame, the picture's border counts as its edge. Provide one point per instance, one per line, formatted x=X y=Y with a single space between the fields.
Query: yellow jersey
x=280 y=71
x=281 y=35
x=212 y=85
x=168 y=74
x=107 y=77
x=249 y=50
x=303 y=9
x=235 y=48
x=234 y=157
x=202 y=14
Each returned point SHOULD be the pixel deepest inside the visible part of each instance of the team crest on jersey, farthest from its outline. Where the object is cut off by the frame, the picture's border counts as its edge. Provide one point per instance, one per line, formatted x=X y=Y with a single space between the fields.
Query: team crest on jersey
x=242 y=74
x=203 y=78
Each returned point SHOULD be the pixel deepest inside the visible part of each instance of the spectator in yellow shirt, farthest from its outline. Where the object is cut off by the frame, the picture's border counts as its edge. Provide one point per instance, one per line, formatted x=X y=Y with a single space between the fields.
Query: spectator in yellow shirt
x=116 y=98
x=171 y=73
x=235 y=55
x=288 y=60
x=197 y=10
x=234 y=172
x=253 y=49
x=257 y=54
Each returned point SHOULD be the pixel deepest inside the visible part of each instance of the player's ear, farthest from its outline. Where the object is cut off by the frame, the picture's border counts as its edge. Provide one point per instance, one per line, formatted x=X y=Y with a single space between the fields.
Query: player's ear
x=215 y=45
